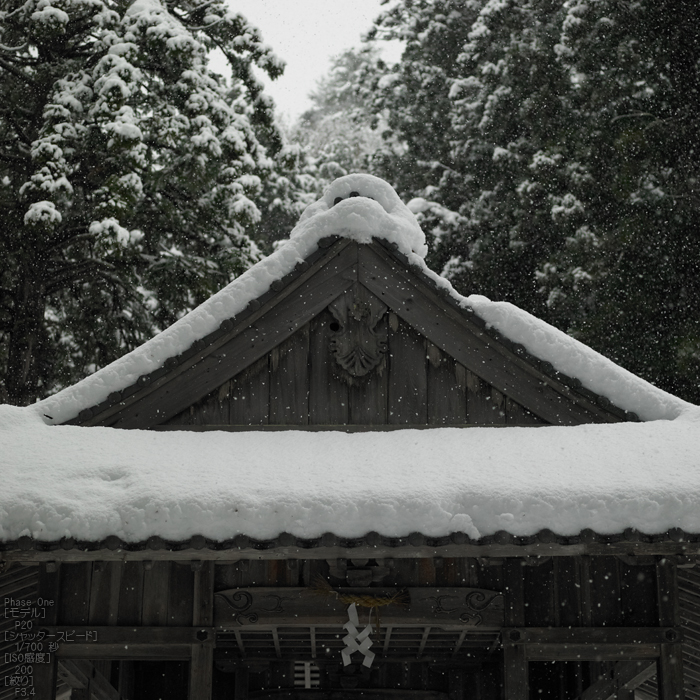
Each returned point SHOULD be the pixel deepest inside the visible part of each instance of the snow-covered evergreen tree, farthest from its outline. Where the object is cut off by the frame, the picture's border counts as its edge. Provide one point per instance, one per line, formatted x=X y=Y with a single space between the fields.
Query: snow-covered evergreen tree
x=129 y=174
x=629 y=282
x=552 y=146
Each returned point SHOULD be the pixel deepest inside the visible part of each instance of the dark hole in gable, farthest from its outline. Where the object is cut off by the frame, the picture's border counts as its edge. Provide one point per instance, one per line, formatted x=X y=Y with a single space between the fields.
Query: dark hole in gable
x=334 y=326
x=337 y=200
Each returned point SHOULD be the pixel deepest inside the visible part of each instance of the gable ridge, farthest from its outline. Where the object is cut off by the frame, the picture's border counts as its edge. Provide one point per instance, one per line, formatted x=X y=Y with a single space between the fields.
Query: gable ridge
x=328 y=248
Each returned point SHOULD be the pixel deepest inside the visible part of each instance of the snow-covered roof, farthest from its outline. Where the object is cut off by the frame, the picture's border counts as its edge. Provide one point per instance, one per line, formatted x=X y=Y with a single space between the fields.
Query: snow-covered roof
x=363 y=207
x=62 y=481
x=91 y=483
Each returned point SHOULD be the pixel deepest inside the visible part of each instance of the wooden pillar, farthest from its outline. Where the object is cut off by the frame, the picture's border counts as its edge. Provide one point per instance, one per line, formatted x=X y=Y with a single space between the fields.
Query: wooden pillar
x=670 y=663
x=44 y=675
x=202 y=663
x=514 y=660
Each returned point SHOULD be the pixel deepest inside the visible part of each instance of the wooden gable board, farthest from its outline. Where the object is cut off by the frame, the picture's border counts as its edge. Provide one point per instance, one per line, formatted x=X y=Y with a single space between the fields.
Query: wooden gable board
x=282 y=315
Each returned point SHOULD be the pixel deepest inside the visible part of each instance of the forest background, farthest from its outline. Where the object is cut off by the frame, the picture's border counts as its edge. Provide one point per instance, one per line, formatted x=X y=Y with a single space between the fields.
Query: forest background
x=549 y=149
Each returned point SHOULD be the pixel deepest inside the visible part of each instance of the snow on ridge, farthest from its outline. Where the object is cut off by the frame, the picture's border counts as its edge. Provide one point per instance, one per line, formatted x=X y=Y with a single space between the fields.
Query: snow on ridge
x=373 y=211
x=574 y=359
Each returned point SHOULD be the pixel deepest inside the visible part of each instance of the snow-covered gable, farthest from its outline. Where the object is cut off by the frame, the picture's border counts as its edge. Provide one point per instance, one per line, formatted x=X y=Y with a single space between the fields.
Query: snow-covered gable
x=363 y=208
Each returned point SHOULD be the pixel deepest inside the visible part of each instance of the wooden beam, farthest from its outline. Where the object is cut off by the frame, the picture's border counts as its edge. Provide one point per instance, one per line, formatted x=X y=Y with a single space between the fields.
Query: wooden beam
x=423 y=642
x=45 y=675
x=515 y=663
x=515 y=673
x=590 y=635
x=312 y=637
x=276 y=642
x=460 y=641
x=670 y=661
x=590 y=652
x=202 y=663
x=403 y=551
x=387 y=638
x=239 y=642
x=264 y=608
x=201 y=672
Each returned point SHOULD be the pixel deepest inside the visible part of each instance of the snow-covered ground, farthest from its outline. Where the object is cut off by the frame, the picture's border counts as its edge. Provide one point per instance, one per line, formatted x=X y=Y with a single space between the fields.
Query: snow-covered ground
x=88 y=483
x=377 y=212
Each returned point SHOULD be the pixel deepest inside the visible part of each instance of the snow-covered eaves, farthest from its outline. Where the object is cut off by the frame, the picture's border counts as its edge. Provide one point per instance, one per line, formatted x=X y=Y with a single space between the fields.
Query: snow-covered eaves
x=362 y=208
x=100 y=488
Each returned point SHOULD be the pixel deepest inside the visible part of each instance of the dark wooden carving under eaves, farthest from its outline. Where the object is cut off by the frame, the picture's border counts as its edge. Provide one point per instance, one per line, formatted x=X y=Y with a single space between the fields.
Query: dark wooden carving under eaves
x=443 y=607
x=359 y=335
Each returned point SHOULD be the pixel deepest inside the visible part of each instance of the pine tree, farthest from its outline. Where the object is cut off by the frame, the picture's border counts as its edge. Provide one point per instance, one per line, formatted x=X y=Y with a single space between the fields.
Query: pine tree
x=128 y=175
x=636 y=97
x=553 y=148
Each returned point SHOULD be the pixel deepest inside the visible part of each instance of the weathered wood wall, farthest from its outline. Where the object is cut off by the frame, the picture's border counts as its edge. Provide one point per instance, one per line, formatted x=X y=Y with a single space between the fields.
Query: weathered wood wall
x=172 y=602
x=298 y=383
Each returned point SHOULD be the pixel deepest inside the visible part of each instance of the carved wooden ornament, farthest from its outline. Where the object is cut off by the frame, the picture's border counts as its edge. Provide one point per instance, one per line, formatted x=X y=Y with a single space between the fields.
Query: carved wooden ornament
x=447 y=608
x=359 y=344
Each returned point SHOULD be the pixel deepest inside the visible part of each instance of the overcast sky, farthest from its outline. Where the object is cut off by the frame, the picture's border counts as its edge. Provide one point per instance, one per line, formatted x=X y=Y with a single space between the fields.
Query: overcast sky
x=306 y=33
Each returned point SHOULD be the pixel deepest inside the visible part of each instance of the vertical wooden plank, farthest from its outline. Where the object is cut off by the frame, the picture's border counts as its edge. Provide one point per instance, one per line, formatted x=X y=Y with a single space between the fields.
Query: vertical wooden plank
x=670 y=672
x=515 y=664
x=75 y=593
x=126 y=681
x=519 y=415
x=514 y=592
x=156 y=582
x=568 y=591
x=539 y=593
x=213 y=409
x=289 y=380
x=447 y=398
x=670 y=662
x=227 y=576
x=368 y=398
x=329 y=401
x=202 y=664
x=131 y=596
x=100 y=593
x=44 y=675
x=426 y=572
x=408 y=380
x=485 y=404
x=249 y=395
x=201 y=672
x=638 y=595
x=584 y=586
x=606 y=583
x=585 y=580
x=203 y=607
x=116 y=570
x=181 y=595
x=667 y=592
